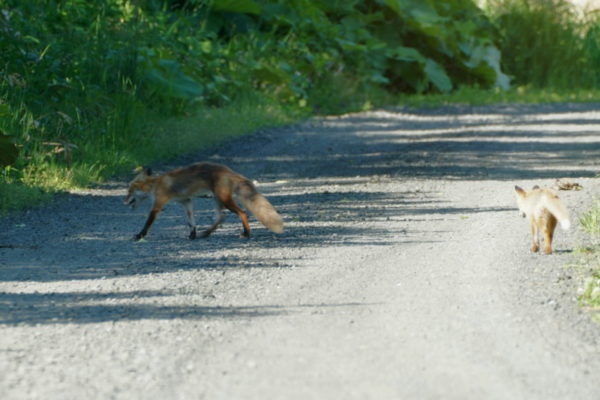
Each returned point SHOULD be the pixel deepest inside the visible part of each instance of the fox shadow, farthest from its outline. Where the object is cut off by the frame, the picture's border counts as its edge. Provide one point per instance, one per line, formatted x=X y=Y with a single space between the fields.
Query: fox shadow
x=101 y=244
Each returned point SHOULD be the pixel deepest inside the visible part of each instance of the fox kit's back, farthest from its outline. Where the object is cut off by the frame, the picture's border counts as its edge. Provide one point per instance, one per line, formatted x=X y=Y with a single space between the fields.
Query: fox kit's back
x=543 y=208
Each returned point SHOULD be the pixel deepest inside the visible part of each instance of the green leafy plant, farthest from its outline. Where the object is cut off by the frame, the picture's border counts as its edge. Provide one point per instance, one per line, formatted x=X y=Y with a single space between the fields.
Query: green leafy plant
x=590 y=220
x=537 y=36
x=8 y=151
x=589 y=294
x=83 y=83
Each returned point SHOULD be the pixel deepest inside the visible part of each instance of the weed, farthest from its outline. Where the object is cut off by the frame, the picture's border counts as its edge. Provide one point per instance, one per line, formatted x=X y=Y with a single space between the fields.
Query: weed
x=517 y=95
x=589 y=294
x=537 y=37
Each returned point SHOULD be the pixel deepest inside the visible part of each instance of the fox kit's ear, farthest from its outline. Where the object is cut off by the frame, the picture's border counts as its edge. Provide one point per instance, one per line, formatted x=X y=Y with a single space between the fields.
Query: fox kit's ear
x=148 y=171
x=519 y=190
x=535 y=187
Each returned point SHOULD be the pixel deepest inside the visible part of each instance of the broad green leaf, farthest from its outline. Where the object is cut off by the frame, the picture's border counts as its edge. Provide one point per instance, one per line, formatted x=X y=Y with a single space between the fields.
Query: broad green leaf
x=4 y=110
x=378 y=78
x=437 y=76
x=8 y=151
x=492 y=58
x=484 y=62
x=351 y=46
x=271 y=75
x=167 y=78
x=236 y=6
x=402 y=53
x=420 y=14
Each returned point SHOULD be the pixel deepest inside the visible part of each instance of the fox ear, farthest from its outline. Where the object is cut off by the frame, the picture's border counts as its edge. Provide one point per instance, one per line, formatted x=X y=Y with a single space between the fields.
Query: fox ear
x=535 y=187
x=143 y=170
x=519 y=190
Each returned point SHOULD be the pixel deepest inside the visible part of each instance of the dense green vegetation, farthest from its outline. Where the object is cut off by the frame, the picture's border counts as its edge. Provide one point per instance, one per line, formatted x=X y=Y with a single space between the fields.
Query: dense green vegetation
x=546 y=44
x=91 y=88
x=590 y=265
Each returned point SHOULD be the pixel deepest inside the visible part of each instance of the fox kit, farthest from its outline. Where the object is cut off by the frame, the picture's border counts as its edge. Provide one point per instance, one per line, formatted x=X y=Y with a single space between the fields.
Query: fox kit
x=182 y=184
x=544 y=209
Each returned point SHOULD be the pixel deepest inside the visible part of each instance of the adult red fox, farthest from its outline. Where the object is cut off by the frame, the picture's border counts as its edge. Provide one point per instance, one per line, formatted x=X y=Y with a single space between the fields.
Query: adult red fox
x=543 y=208
x=183 y=184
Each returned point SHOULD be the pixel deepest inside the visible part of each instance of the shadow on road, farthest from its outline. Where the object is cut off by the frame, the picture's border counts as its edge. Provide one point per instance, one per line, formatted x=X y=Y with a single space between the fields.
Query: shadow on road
x=86 y=307
x=311 y=174
x=468 y=143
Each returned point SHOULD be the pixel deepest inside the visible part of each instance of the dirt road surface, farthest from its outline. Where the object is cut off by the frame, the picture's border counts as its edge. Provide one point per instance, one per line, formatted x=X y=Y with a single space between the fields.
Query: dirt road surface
x=404 y=271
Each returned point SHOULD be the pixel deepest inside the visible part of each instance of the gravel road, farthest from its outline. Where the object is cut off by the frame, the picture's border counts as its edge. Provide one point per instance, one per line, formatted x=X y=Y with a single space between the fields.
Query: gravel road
x=404 y=271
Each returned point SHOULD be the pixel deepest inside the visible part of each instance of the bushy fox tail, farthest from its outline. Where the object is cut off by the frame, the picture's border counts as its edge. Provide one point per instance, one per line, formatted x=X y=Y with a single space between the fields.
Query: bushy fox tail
x=259 y=206
x=558 y=209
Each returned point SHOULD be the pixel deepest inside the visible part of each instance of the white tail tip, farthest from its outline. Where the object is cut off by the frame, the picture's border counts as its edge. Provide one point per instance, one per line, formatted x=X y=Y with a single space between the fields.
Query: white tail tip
x=566 y=224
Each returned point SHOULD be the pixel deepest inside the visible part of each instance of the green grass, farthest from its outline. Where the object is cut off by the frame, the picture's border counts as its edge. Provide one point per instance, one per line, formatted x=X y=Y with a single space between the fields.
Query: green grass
x=547 y=43
x=148 y=140
x=145 y=84
x=517 y=95
x=153 y=138
x=589 y=265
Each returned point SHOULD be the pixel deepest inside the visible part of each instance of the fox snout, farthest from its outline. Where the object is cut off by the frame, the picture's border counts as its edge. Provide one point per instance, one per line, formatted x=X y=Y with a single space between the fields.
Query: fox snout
x=130 y=201
x=135 y=198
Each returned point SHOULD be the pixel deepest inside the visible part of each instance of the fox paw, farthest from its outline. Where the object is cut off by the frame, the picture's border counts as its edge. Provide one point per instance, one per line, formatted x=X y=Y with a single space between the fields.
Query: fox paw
x=192 y=235
x=137 y=237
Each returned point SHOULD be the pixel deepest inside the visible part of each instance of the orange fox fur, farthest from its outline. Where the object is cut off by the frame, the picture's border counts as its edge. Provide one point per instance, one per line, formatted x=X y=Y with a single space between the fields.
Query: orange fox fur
x=183 y=184
x=543 y=208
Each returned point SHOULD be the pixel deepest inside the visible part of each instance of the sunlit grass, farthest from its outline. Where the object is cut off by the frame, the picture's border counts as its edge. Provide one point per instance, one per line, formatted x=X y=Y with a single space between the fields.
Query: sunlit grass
x=148 y=140
x=517 y=95
x=589 y=293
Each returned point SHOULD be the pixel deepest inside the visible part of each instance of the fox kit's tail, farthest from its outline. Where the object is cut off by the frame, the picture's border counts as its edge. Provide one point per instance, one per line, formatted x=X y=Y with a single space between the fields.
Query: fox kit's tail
x=259 y=206
x=556 y=208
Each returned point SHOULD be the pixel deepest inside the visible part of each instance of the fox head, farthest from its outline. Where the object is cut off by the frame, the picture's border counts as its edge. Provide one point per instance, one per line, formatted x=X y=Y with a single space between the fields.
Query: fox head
x=521 y=196
x=540 y=199
x=139 y=187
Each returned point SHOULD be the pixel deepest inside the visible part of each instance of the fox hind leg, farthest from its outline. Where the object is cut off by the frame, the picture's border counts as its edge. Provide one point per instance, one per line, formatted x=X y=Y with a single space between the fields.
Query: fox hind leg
x=189 y=213
x=225 y=200
x=231 y=206
x=535 y=246
x=547 y=242
x=218 y=220
x=548 y=231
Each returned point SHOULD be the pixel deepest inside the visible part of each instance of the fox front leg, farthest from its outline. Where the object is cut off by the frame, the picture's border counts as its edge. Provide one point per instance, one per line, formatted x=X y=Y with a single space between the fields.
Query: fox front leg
x=156 y=207
x=151 y=217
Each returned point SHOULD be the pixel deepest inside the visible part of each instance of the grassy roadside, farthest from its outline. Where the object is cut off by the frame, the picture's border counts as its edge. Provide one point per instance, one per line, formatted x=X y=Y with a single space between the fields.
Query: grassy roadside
x=589 y=263
x=92 y=89
x=148 y=139
x=158 y=139
x=152 y=138
x=516 y=95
